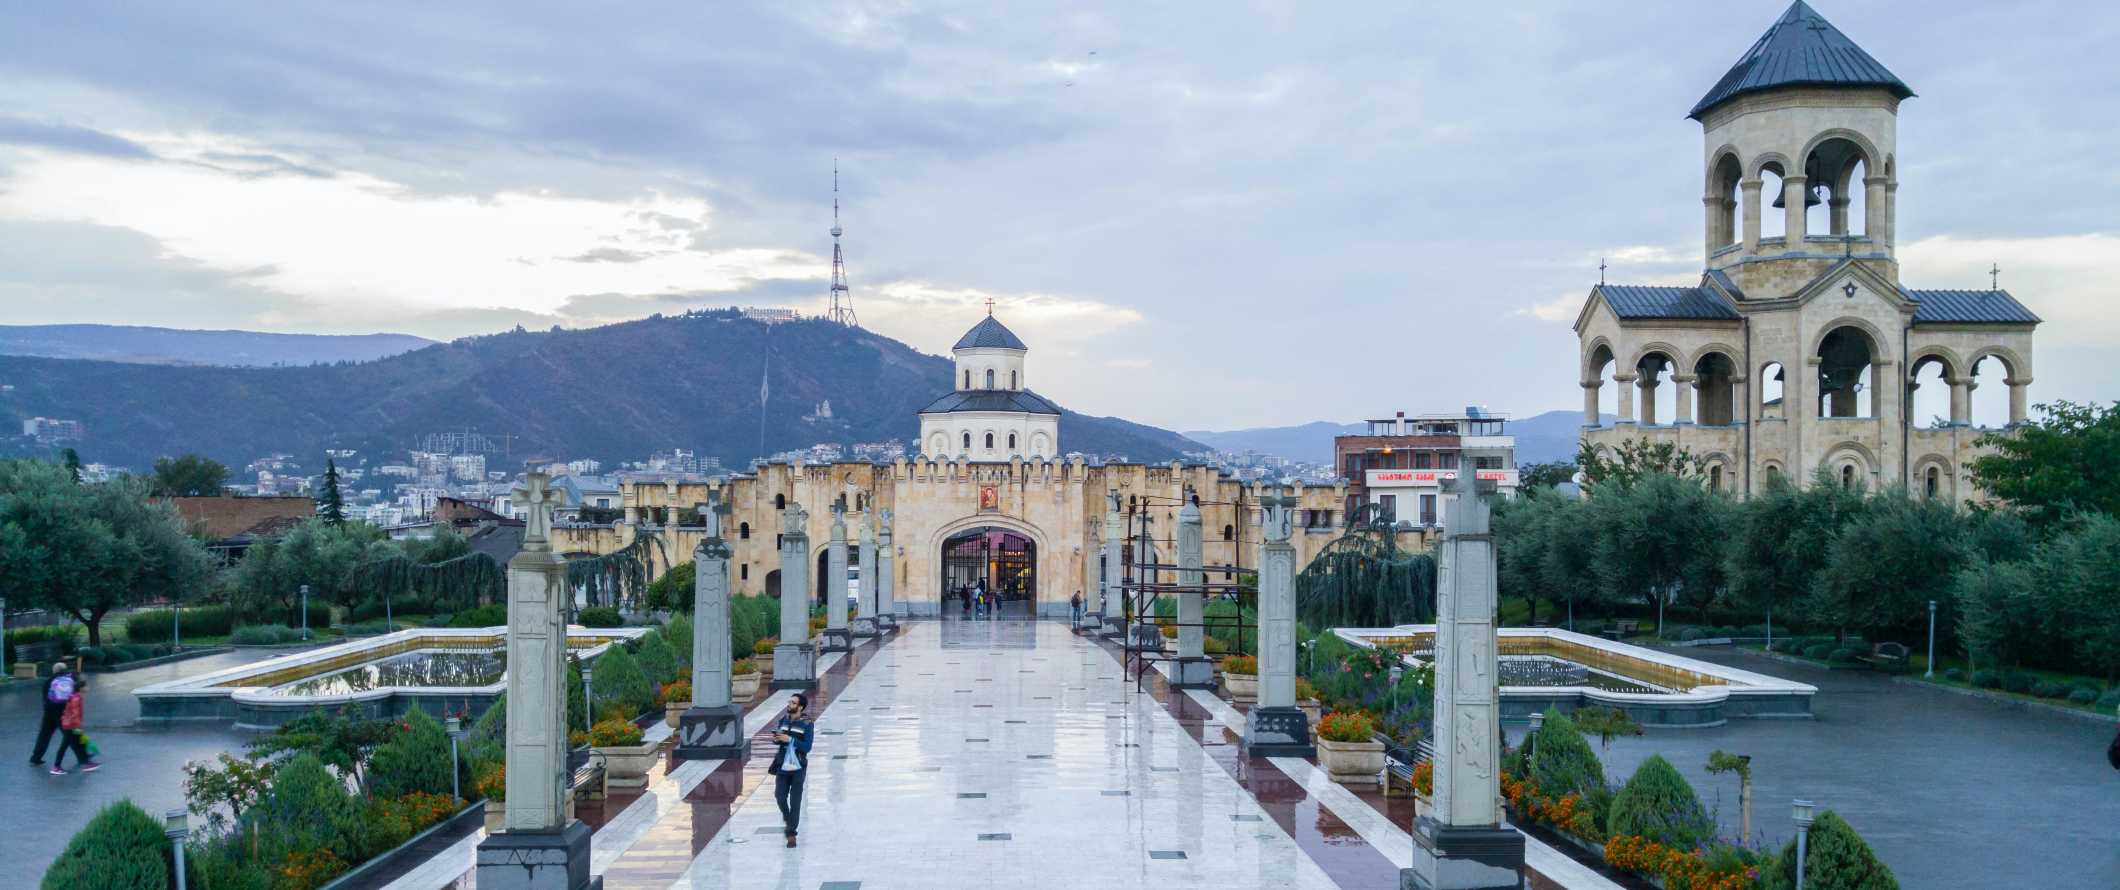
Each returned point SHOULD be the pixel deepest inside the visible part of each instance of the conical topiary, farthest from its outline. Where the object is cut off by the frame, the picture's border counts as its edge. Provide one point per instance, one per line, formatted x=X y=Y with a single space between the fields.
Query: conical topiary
x=1836 y=859
x=122 y=848
x=1658 y=804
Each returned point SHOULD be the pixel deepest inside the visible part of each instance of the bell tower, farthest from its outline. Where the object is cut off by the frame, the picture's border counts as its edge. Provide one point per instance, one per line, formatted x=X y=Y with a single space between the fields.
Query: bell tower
x=1805 y=119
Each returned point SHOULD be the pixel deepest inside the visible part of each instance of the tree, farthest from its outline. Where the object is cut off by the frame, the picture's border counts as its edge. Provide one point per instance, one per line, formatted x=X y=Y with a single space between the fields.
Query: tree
x=1655 y=535
x=1837 y=859
x=2001 y=623
x=2081 y=589
x=188 y=476
x=1657 y=803
x=416 y=758
x=1886 y=564
x=331 y=503
x=122 y=848
x=86 y=550
x=2057 y=464
x=324 y=556
x=72 y=460
x=1634 y=459
x=337 y=740
x=1535 y=478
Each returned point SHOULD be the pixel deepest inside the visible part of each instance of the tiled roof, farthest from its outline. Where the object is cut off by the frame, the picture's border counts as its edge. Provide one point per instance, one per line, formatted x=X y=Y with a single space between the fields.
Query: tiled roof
x=992 y=400
x=1634 y=301
x=1968 y=306
x=1800 y=49
x=225 y=516
x=990 y=333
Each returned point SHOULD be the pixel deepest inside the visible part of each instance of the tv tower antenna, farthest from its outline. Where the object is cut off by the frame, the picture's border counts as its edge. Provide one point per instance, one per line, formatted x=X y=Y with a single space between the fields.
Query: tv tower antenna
x=842 y=301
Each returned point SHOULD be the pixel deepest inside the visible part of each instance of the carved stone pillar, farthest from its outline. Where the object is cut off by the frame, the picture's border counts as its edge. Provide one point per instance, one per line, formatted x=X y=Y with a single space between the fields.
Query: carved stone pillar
x=1647 y=382
x=836 y=636
x=1962 y=400
x=1275 y=727
x=1590 y=418
x=2019 y=392
x=889 y=608
x=1191 y=670
x=1114 y=526
x=865 y=625
x=795 y=658
x=713 y=726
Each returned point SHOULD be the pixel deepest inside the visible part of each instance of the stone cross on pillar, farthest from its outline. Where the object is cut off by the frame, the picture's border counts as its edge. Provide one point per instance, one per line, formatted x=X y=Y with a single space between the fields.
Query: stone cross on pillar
x=866 y=624
x=836 y=637
x=542 y=845
x=1113 y=609
x=1192 y=670
x=1463 y=845
x=1275 y=727
x=888 y=607
x=713 y=726
x=795 y=658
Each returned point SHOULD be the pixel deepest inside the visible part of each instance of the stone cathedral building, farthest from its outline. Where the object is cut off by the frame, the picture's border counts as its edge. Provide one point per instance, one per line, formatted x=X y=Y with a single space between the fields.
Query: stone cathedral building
x=987 y=501
x=1799 y=350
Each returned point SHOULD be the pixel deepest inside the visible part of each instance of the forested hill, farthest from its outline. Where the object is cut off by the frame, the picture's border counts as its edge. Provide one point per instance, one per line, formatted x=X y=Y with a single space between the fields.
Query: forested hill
x=176 y=346
x=617 y=392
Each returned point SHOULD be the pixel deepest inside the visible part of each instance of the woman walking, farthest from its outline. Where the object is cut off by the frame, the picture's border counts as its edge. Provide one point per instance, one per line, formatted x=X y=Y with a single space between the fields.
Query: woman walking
x=791 y=763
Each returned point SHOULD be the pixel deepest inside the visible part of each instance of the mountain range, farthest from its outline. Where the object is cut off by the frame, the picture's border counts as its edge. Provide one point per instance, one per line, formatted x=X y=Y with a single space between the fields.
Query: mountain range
x=1541 y=438
x=617 y=392
x=172 y=346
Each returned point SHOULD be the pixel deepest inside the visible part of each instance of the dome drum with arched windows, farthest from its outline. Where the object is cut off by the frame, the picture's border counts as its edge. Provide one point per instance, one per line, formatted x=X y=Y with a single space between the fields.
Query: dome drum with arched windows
x=990 y=414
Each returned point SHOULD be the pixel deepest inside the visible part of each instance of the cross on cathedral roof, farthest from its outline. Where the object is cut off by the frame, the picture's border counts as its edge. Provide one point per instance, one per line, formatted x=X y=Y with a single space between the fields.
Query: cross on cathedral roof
x=1801 y=48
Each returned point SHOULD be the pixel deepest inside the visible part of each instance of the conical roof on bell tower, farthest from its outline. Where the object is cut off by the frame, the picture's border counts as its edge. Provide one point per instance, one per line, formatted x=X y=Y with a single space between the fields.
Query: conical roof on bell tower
x=1801 y=48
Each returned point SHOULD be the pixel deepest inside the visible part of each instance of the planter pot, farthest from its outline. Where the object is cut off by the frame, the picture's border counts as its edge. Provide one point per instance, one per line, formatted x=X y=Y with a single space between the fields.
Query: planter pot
x=1352 y=763
x=1312 y=711
x=674 y=710
x=1243 y=688
x=744 y=687
x=628 y=767
x=765 y=665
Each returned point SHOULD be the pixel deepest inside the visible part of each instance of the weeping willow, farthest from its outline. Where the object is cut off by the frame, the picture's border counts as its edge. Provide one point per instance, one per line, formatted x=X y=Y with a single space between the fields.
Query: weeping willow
x=620 y=578
x=1363 y=579
x=452 y=584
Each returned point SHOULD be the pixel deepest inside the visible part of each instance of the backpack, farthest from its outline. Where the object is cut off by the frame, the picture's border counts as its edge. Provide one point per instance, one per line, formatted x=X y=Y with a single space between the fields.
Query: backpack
x=61 y=690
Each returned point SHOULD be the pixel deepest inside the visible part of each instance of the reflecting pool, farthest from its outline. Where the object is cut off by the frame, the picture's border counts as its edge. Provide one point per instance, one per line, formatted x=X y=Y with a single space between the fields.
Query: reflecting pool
x=427 y=667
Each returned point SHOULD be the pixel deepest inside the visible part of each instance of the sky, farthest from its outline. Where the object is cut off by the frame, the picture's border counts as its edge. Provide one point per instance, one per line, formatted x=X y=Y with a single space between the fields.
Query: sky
x=1198 y=216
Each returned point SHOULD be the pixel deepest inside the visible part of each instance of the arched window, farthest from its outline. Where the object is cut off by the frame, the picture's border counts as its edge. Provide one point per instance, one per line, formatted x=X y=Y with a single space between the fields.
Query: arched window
x=780 y=502
x=1847 y=476
x=1012 y=441
x=967 y=441
x=1771 y=383
x=743 y=531
x=1846 y=387
x=743 y=572
x=1933 y=482
x=989 y=378
x=967 y=378
x=1229 y=533
x=1715 y=478
x=989 y=436
x=1011 y=380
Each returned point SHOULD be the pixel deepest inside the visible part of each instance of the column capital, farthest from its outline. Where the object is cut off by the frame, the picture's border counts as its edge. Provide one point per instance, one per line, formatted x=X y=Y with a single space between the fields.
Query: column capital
x=1752 y=184
x=1684 y=378
x=2017 y=381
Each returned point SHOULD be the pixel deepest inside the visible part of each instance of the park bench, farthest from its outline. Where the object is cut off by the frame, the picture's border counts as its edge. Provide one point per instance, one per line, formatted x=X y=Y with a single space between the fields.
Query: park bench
x=1622 y=629
x=1399 y=763
x=1887 y=657
x=585 y=775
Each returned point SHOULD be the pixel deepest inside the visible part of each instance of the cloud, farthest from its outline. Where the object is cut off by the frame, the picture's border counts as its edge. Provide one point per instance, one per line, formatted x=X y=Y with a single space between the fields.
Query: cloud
x=2066 y=279
x=1562 y=308
x=16 y=131
x=608 y=255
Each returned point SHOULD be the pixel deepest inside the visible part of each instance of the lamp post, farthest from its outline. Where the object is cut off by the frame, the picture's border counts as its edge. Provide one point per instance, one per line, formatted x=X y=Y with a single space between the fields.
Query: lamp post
x=177 y=829
x=1397 y=670
x=1538 y=719
x=305 y=612
x=588 y=704
x=1803 y=830
x=176 y=625
x=455 y=727
x=1931 y=673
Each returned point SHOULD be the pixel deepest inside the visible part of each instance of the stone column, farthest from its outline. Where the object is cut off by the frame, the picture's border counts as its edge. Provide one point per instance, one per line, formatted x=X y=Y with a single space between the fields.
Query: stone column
x=1646 y=381
x=542 y=845
x=1590 y=390
x=1837 y=215
x=1462 y=844
x=888 y=607
x=1192 y=670
x=1625 y=382
x=2019 y=390
x=1682 y=407
x=713 y=726
x=1750 y=188
x=1873 y=211
x=1114 y=607
x=1793 y=192
x=794 y=659
x=1275 y=727
x=1962 y=400
x=836 y=637
x=866 y=625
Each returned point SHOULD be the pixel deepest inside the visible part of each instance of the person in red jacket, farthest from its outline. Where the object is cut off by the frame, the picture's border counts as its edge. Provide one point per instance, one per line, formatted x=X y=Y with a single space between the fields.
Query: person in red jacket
x=70 y=721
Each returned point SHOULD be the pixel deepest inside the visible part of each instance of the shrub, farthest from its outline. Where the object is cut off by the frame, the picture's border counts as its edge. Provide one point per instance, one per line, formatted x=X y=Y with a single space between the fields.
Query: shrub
x=1785 y=644
x=617 y=678
x=1561 y=759
x=1306 y=690
x=679 y=691
x=122 y=848
x=1241 y=665
x=2111 y=698
x=743 y=666
x=1726 y=631
x=600 y=616
x=1347 y=726
x=416 y=758
x=1213 y=646
x=307 y=808
x=615 y=734
x=1691 y=634
x=493 y=782
x=2083 y=695
x=764 y=647
x=657 y=659
x=390 y=821
x=366 y=628
x=1658 y=804
x=67 y=636
x=1818 y=651
x=1987 y=679
x=203 y=621
x=1842 y=656
x=1837 y=859
x=264 y=635
x=2049 y=689
x=1954 y=675
x=678 y=632
x=2019 y=682
x=320 y=613
x=489 y=615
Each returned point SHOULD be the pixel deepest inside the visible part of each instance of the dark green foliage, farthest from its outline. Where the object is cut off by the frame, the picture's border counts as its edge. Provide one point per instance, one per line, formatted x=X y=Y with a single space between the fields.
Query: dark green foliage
x=1657 y=803
x=122 y=848
x=1561 y=760
x=1648 y=536
x=1987 y=679
x=1888 y=562
x=1539 y=477
x=223 y=863
x=1362 y=579
x=335 y=739
x=264 y=635
x=71 y=460
x=752 y=618
x=1543 y=553
x=678 y=630
x=106 y=656
x=307 y=808
x=87 y=550
x=1842 y=656
x=657 y=659
x=331 y=502
x=1836 y=859
x=1818 y=651
x=2019 y=682
x=600 y=616
x=577 y=707
x=2057 y=464
x=328 y=558
x=1954 y=675
x=490 y=615
x=673 y=592
x=416 y=758
x=188 y=476
x=617 y=677
x=618 y=579
x=153 y=626
x=2111 y=698
x=2049 y=689
x=1691 y=634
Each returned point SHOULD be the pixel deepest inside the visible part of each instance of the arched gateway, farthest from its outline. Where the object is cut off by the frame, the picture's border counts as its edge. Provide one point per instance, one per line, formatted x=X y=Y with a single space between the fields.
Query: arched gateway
x=999 y=560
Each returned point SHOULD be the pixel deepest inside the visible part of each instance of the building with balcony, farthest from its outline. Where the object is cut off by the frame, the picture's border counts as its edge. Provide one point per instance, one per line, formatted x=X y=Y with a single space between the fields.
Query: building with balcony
x=1403 y=464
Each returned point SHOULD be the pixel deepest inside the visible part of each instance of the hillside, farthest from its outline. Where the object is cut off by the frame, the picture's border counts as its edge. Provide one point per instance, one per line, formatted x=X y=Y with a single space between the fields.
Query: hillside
x=174 y=346
x=613 y=393
x=1541 y=438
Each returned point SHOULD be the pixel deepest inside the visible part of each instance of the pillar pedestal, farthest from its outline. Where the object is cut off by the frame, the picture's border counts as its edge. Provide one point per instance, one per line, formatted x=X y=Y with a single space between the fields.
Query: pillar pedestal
x=865 y=628
x=1278 y=732
x=795 y=666
x=521 y=860
x=1192 y=673
x=712 y=733
x=834 y=639
x=1458 y=858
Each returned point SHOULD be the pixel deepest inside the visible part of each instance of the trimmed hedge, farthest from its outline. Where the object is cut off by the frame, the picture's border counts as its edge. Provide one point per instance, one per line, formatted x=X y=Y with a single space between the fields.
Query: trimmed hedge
x=122 y=848
x=1658 y=804
x=265 y=635
x=107 y=656
x=1954 y=675
x=2111 y=698
x=1987 y=679
x=203 y=621
x=678 y=631
x=600 y=616
x=1561 y=759
x=1691 y=634
x=1837 y=859
x=2049 y=689
x=2019 y=682
x=415 y=759
x=2083 y=695
x=490 y=615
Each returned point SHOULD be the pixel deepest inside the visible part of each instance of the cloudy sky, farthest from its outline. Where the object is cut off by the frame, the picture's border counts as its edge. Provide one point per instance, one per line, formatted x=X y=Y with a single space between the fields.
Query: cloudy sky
x=1199 y=216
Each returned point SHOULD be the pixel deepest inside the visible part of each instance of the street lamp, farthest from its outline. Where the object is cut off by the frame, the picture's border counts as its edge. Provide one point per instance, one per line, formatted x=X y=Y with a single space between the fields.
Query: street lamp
x=305 y=611
x=176 y=828
x=588 y=704
x=1803 y=830
x=1538 y=719
x=455 y=727
x=1931 y=674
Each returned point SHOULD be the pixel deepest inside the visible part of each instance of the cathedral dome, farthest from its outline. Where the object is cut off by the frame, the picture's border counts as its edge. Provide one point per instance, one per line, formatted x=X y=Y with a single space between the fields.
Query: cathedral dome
x=990 y=333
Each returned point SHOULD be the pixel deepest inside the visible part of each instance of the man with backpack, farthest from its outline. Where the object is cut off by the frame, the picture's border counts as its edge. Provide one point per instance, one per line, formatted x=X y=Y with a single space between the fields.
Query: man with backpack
x=57 y=692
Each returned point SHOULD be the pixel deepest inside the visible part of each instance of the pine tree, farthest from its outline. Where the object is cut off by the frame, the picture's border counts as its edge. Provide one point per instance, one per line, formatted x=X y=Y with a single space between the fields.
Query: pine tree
x=72 y=459
x=330 y=503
